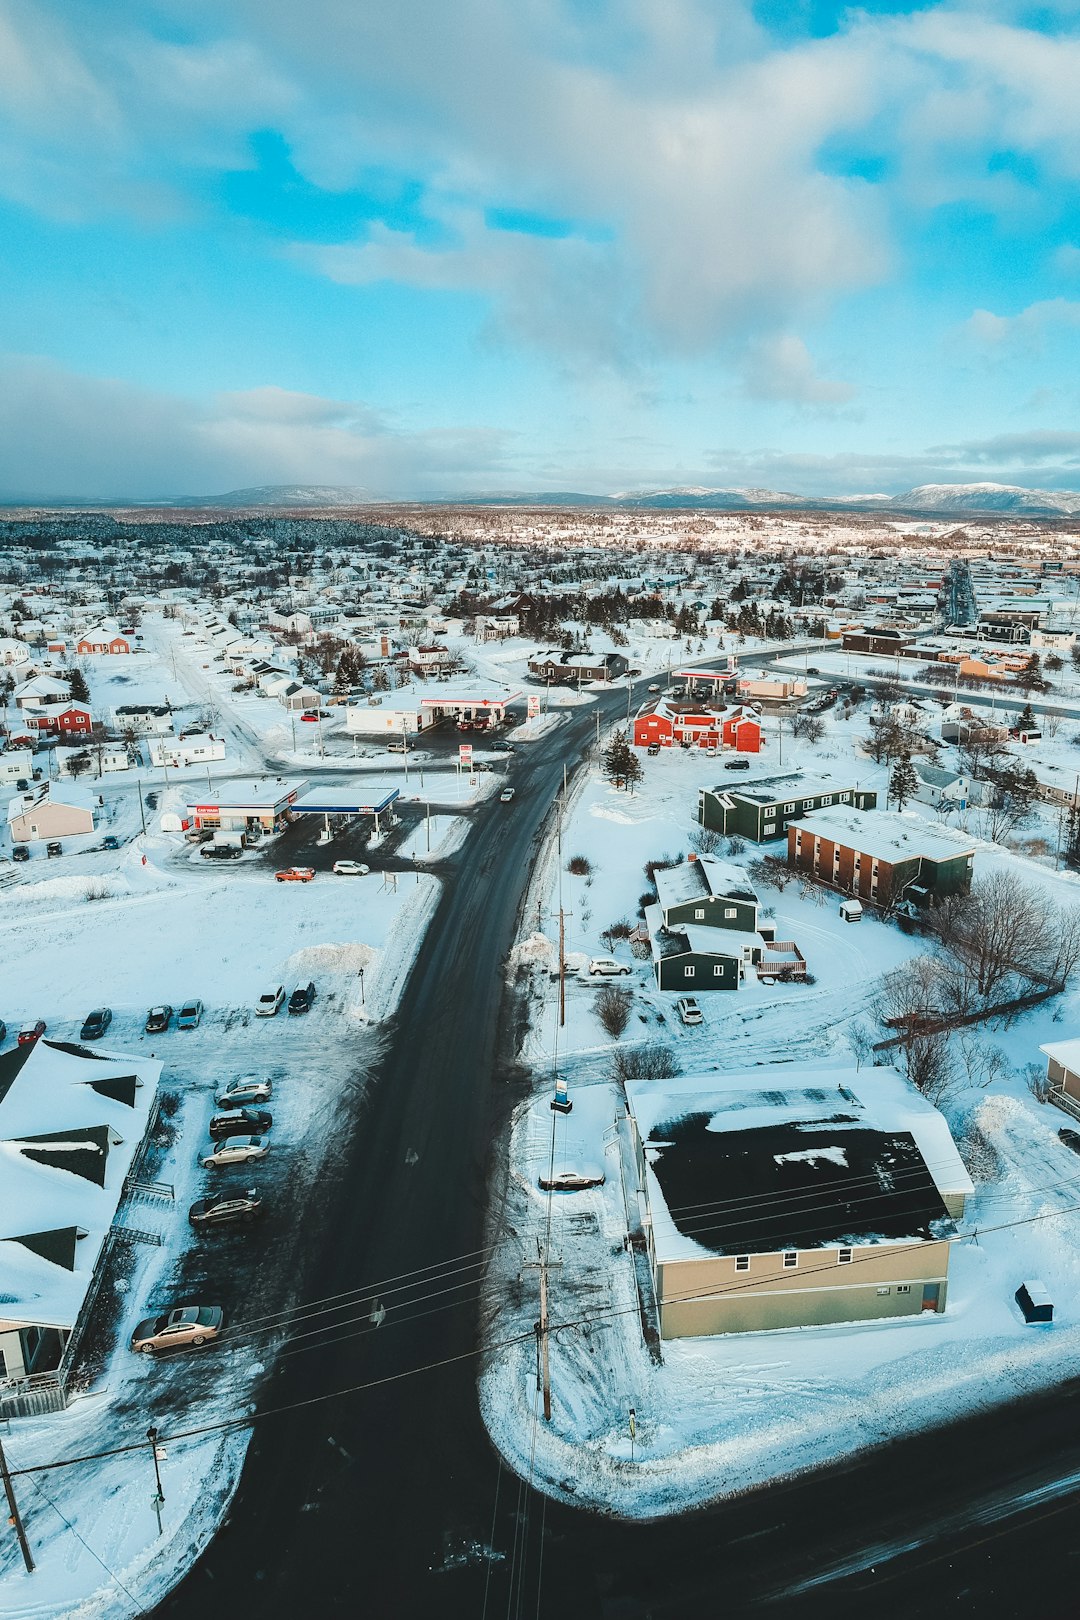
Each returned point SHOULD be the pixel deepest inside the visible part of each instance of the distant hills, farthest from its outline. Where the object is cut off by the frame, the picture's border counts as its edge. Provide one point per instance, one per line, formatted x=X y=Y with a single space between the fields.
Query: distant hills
x=926 y=500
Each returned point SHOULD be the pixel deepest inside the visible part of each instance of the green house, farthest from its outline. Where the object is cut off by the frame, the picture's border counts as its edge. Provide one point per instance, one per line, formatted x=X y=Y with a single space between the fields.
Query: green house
x=761 y=809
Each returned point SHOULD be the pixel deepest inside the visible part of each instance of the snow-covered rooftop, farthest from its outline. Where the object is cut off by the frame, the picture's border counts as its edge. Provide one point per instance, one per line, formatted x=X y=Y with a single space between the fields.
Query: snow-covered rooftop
x=895 y=837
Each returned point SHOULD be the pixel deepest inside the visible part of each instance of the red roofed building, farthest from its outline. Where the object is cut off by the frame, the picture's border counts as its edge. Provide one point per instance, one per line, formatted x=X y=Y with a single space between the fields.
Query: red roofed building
x=697 y=725
x=73 y=720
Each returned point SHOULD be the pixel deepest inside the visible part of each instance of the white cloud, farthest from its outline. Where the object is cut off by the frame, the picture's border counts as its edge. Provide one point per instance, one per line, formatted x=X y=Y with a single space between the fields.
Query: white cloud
x=67 y=435
x=782 y=369
x=1028 y=328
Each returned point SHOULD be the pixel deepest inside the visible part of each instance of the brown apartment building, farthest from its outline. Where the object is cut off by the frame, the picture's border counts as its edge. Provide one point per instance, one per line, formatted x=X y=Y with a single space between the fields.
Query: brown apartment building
x=883 y=858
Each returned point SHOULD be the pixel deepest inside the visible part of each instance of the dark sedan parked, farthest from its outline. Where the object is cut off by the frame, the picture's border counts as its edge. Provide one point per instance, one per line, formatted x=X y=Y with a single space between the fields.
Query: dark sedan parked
x=158 y=1020
x=301 y=998
x=96 y=1024
x=241 y=1122
x=226 y=1209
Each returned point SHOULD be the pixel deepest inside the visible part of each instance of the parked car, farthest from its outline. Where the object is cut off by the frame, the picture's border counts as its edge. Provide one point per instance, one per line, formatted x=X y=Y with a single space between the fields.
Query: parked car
x=607 y=967
x=221 y=852
x=22 y=785
x=190 y=1015
x=302 y=997
x=110 y=841
x=19 y=852
x=158 y=1020
x=54 y=847
x=351 y=869
x=236 y=1150
x=736 y=765
x=95 y=1024
x=270 y=1002
x=241 y=1122
x=570 y=1181
x=396 y=747
x=177 y=1329
x=296 y=874
x=653 y=748
x=506 y=795
x=226 y=1209
x=688 y=1010
x=31 y=1033
x=243 y=1092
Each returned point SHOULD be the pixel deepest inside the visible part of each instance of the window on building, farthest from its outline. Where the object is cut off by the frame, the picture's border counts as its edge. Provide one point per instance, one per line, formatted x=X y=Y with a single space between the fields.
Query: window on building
x=699 y=916
x=827 y=799
x=688 y=972
x=718 y=971
x=844 y=798
x=882 y=1291
x=731 y=911
x=788 y=809
x=808 y=804
x=742 y=1262
x=791 y=1260
x=903 y=1288
x=843 y=1257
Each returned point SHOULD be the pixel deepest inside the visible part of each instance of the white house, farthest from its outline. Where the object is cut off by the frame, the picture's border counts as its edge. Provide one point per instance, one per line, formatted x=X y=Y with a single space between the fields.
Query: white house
x=373 y=719
x=941 y=788
x=193 y=748
x=72 y=1129
x=16 y=764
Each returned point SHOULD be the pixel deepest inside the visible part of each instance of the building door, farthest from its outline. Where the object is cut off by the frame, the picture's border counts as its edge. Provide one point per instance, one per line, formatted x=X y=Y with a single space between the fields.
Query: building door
x=930 y=1296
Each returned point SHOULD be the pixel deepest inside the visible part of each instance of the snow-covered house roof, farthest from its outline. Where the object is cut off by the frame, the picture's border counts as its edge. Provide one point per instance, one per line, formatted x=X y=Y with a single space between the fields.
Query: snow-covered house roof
x=71 y=1127
x=701 y=877
x=803 y=1159
x=891 y=837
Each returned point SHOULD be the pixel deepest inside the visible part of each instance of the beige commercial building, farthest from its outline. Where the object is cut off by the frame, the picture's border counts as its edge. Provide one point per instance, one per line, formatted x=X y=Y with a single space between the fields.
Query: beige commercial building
x=789 y=1198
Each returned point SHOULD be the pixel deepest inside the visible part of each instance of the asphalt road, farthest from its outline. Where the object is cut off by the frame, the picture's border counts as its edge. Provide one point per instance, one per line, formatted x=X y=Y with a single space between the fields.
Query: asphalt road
x=384 y=1502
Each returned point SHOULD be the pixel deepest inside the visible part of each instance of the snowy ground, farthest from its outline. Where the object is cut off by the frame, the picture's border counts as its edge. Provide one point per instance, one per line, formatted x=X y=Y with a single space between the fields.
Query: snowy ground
x=723 y=1414
x=164 y=932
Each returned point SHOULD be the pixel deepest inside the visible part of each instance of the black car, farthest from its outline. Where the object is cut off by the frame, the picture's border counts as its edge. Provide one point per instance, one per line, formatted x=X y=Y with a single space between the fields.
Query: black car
x=158 y=1020
x=54 y=847
x=301 y=998
x=220 y=852
x=19 y=852
x=96 y=1024
x=737 y=765
x=226 y=1209
x=241 y=1122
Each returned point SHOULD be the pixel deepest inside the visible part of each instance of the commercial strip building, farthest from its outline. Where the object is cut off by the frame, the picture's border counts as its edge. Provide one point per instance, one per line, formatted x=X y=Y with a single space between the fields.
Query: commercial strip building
x=778 y=1199
x=762 y=808
x=346 y=803
x=73 y=1129
x=884 y=858
x=375 y=717
x=234 y=807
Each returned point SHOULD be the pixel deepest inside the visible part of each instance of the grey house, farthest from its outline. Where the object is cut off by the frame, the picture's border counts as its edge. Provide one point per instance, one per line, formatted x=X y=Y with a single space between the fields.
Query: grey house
x=691 y=959
x=578 y=666
x=761 y=809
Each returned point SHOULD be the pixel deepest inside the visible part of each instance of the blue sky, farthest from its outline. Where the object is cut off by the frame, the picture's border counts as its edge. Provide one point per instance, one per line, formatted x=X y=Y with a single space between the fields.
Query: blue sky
x=512 y=245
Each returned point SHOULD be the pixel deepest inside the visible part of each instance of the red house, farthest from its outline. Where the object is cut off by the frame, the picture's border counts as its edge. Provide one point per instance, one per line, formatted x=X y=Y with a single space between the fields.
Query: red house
x=103 y=640
x=73 y=720
x=697 y=725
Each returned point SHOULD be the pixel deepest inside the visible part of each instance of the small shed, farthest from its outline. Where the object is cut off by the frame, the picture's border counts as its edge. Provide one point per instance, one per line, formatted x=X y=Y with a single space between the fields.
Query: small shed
x=851 y=910
x=1034 y=1300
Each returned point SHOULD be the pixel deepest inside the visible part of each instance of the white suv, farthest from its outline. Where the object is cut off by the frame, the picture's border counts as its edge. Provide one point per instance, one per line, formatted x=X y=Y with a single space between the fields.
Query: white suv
x=607 y=966
x=269 y=1002
x=689 y=1011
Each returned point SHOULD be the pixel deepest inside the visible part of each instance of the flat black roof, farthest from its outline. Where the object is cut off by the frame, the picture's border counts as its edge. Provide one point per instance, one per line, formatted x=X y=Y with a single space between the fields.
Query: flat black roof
x=788 y=1186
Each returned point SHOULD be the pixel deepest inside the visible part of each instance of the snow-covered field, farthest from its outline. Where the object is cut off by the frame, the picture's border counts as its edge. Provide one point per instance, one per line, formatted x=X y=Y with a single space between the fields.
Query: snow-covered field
x=720 y=1415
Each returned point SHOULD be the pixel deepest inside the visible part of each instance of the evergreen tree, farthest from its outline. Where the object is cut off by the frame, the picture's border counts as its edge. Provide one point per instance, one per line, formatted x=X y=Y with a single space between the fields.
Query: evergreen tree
x=903 y=782
x=79 y=689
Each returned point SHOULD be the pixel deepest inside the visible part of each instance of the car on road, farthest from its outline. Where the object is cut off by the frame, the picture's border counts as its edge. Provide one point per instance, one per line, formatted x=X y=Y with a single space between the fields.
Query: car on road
x=811 y=670
x=688 y=1010
x=236 y=1150
x=226 y=1209
x=184 y=1325
x=506 y=795
x=351 y=869
x=95 y=1024
x=502 y=748
x=19 y=852
x=570 y=1181
x=190 y=1015
x=737 y=765
x=221 y=852
x=270 y=1002
x=241 y=1122
x=312 y=719
x=654 y=689
x=607 y=967
x=31 y=1033
x=295 y=874
x=110 y=841
x=54 y=847
x=243 y=1092
x=302 y=997
x=158 y=1020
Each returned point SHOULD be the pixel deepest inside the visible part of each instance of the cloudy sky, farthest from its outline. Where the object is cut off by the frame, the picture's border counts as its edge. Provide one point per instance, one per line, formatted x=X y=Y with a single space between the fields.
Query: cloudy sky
x=429 y=248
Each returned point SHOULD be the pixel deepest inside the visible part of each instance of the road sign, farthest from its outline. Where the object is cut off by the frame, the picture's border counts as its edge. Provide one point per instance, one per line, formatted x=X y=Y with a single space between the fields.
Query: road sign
x=534 y=707
x=465 y=753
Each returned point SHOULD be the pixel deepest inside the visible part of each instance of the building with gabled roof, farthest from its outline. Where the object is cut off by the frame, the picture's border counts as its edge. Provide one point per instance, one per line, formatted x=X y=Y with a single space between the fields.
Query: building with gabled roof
x=73 y=1127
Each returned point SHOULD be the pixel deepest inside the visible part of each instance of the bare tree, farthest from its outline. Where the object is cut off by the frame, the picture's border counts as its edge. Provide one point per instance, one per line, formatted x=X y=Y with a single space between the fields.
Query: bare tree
x=613 y=1009
x=652 y=1061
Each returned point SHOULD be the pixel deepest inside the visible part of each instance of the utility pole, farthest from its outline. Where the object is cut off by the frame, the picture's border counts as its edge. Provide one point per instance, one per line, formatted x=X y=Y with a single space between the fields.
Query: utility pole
x=142 y=808
x=159 y=1495
x=13 y=1511
x=562 y=968
x=543 y=1265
